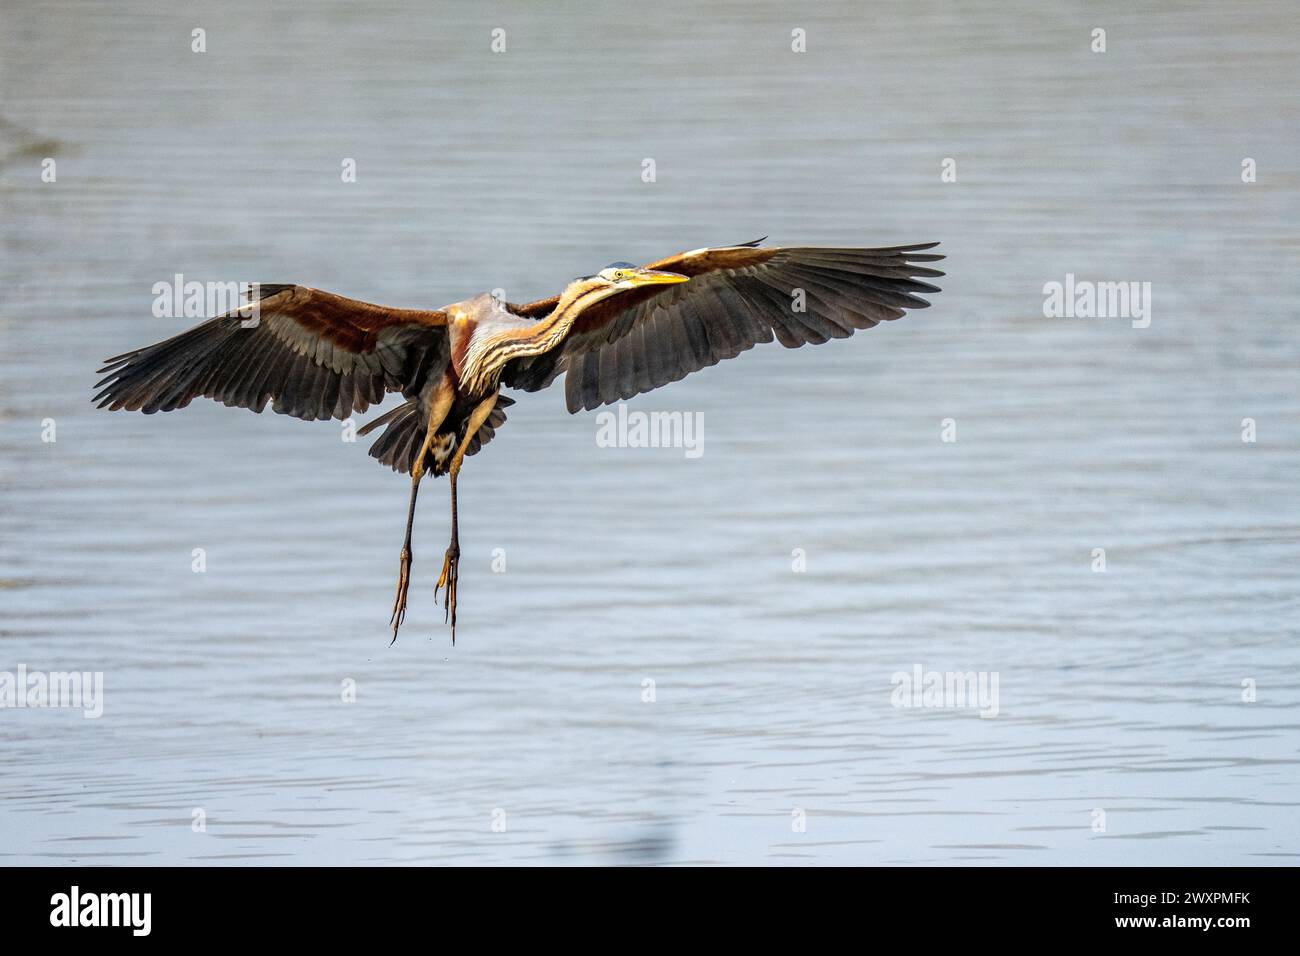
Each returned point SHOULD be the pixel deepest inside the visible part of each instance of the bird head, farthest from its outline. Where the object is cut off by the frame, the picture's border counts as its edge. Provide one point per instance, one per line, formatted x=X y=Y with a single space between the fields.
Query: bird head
x=614 y=279
x=624 y=275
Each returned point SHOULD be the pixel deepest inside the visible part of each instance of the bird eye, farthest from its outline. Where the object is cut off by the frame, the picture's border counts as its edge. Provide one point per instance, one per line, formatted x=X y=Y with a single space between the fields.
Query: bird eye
x=619 y=273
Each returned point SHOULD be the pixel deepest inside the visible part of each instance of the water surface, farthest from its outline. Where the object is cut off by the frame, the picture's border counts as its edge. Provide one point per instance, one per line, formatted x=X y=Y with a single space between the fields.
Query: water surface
x=1119 y=691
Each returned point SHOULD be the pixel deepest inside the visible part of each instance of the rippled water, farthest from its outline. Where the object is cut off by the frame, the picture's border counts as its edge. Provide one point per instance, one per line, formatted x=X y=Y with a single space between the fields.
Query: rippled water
x=1119 y=691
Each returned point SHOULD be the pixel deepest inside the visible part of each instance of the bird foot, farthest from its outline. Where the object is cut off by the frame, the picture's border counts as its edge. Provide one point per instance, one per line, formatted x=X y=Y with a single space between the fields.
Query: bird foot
x=399 y=603
x=447 y=579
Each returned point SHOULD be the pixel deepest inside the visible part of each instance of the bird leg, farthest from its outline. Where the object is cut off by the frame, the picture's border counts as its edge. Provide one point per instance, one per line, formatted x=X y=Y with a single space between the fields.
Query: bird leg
x=441 y=404
x=451 y=561
x=450 y=567
x=404 y=573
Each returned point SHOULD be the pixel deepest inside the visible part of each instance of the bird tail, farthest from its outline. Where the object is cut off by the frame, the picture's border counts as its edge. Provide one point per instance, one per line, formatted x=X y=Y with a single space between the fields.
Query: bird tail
x=402 y=438
x=403 y=435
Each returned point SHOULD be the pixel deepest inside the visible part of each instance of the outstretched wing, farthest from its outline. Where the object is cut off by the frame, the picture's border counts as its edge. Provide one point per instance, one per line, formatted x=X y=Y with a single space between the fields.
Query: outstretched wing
x=738 y=296
x=314 y=354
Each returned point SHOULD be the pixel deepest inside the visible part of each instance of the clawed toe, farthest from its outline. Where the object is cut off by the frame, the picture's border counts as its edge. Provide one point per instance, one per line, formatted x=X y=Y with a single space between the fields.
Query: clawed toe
x=448 y=579
x=403 y=584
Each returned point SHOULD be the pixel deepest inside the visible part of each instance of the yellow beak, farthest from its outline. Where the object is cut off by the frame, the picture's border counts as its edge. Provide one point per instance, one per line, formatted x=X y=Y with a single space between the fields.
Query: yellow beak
x=654 y=277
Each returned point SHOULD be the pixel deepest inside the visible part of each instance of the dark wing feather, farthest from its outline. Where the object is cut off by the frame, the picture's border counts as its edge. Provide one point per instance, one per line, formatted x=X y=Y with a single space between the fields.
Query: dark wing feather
x=738 y=297
x=313 y=354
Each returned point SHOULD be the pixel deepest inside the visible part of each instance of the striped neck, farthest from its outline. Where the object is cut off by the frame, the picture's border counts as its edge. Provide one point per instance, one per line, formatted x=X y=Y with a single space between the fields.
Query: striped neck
x=487 y=357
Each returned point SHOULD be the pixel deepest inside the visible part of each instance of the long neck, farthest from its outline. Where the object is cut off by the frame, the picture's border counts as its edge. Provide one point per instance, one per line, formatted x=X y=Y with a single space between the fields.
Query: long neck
x=487 y=357
x=550 y=331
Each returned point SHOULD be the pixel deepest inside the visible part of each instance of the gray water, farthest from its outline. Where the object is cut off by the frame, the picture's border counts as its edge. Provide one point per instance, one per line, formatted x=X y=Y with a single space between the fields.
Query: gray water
x=1122 y=735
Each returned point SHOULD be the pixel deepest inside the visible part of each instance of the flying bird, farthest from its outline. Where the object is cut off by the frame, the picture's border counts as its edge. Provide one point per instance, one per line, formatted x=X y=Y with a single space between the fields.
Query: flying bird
x=618 y=333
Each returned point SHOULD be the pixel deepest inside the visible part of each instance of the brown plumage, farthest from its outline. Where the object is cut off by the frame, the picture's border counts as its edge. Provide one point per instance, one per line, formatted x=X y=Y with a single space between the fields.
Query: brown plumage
x=616 y=334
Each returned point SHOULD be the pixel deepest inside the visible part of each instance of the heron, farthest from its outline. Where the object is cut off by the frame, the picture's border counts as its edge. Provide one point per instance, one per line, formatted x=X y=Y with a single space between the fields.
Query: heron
x=620 y=332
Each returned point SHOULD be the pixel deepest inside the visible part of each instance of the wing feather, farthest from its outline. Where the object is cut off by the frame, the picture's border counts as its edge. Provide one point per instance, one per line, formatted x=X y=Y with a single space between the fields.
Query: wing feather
x=312 y=354
x=738 y=297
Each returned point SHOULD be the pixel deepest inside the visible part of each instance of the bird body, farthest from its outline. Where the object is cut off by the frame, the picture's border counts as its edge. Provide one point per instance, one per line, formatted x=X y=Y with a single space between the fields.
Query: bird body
x=479 y=327
x=621 y=332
